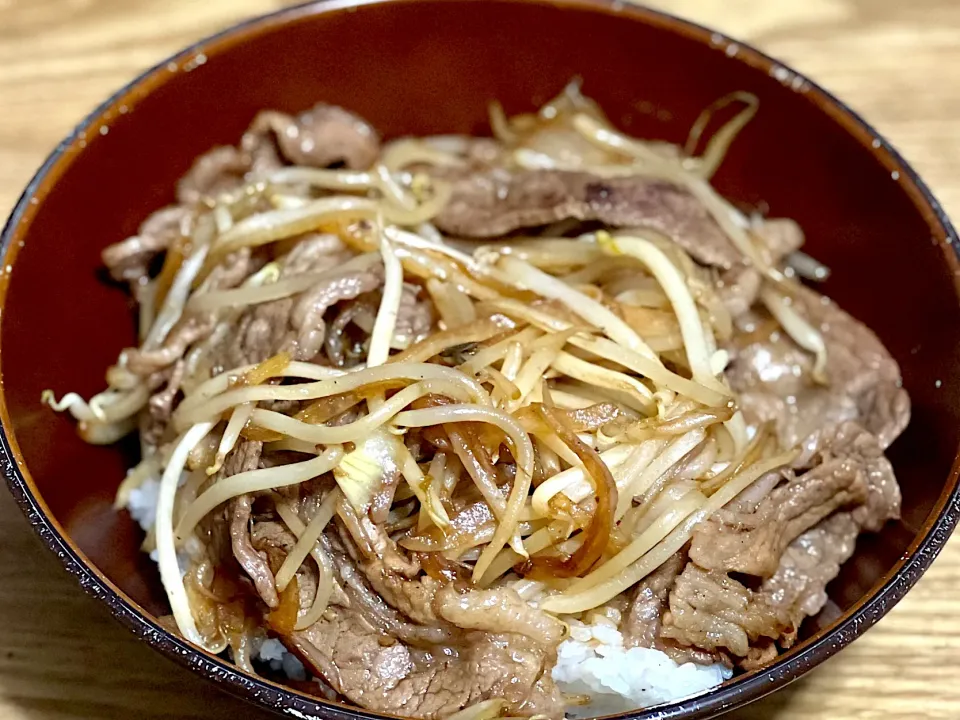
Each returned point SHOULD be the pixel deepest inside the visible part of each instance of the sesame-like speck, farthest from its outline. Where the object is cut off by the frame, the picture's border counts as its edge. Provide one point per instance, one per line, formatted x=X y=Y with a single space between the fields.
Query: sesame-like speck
x=172 y=66
x=895 y=175
x=876 y=142
x=716 y=38
x=938 y=383
x=104 y=129
x=732 y=49
x=123 y=109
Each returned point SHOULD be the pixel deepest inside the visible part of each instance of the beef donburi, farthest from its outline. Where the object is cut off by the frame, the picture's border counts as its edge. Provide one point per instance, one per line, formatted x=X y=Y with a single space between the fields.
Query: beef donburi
x=525 y=425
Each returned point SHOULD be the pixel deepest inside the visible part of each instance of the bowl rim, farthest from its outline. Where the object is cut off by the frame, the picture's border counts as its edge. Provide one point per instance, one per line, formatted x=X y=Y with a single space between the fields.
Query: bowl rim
x=744 y=689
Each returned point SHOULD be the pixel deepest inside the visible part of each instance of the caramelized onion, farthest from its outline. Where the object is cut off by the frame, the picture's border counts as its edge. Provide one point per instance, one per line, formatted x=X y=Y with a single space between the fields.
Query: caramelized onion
x=283 y=620
x=595 y=535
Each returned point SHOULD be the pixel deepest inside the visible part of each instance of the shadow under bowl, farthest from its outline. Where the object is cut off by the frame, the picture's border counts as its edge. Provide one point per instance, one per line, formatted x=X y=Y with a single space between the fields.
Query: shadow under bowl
x=418 y=67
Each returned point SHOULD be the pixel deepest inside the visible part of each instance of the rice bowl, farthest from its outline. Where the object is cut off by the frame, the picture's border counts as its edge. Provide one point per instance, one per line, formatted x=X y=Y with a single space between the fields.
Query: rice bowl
x=61 y=387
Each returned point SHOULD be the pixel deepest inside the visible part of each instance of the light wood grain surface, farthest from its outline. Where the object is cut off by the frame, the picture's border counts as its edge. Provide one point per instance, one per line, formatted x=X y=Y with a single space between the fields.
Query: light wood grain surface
x=63 y=657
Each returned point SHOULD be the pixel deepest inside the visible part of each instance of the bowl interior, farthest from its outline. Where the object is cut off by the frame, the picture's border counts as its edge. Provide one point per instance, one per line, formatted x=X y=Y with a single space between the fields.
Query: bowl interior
x=432 y=66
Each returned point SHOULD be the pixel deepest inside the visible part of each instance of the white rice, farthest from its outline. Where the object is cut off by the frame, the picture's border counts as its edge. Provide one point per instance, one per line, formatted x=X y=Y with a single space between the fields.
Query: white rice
x=274 y=654
x=142 y=503
x=594 y=662
x=142 y=506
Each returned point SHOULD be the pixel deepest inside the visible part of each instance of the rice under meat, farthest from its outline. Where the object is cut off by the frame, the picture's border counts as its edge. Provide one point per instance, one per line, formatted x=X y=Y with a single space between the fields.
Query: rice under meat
x=460 y=427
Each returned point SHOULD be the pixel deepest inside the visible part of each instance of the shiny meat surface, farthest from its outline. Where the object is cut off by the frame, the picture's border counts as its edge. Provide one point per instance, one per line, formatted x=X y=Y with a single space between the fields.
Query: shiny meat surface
x=808 y=564
x=191 y=328
x=790 y=541
x=708 y=609
x=753 y=542
x=253 y=563
x=778 y=237
x=499 y=202
x=295 y=324
x=377 y=656
x=386 y=675
x=415 y=318
x=322 y=136
x=500 y=610
x=641 y=624
x=773 y=376
x=130 y=259
x=218 y=171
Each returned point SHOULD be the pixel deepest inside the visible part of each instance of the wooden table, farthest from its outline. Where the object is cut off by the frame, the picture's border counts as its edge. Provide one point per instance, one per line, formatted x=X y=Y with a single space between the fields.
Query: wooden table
x=62 y=656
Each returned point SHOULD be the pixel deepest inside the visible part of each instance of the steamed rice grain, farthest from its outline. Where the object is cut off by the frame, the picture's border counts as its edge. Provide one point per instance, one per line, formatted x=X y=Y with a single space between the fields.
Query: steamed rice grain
x=594 y=662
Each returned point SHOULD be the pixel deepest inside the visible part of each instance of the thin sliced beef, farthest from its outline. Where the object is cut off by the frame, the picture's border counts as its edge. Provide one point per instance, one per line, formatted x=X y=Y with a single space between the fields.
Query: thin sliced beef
x=253 y=563
x=808 y=564
x=388 y=571
x=244 y=458
x=155 y=421
x=414 y=318
x=306 y=316
x=385 y=675
x=772 y=376
x=499 y=610
x=192 y=327
x=779 y=237
x=738 y=289
x=753 y=542
x=499 y=202
x=314 y=253
x=412 y=597
x=710 y=610
x=322 y=136
x=424 y=629
x=642 y=617
x=218 y=171
x=641 y=624
x=273 y=539
x=373 y=545
x=418 y=648
x=706 y=600
x=295 y=324
x=852 y=442
x=130 y=259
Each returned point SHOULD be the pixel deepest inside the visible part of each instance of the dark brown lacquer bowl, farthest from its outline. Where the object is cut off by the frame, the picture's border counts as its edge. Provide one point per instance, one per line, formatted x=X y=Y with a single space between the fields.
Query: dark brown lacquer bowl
x=431 y=66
